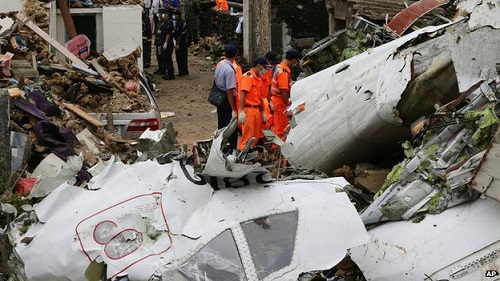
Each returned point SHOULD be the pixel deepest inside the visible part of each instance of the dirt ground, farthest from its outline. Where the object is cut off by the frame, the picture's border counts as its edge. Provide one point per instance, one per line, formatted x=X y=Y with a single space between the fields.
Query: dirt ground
x=195 y=118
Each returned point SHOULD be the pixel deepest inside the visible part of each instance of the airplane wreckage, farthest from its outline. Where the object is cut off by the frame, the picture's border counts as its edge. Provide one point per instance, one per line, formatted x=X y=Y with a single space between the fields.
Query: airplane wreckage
x=434 y=218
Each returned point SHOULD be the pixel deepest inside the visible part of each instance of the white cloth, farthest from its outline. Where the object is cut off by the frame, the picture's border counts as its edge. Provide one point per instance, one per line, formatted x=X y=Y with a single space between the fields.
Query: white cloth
x=239 y=27
x=155 y=6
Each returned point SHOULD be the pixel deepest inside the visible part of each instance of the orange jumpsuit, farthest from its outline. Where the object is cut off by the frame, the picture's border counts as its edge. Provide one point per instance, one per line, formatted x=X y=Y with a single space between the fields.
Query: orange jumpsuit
x=239 y=74
x=221 y=5
x=281 y=81
x=251 y=84
x=266 y=88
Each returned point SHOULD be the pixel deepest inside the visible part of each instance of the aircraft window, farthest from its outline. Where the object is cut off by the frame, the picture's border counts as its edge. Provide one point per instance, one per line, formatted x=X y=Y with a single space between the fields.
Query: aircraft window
x=271 y=241
x=219 y=260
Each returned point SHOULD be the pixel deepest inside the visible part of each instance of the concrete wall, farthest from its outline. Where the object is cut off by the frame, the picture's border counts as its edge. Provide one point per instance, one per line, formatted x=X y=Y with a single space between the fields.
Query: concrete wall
x=115 y=26
x=8 y=6
x=11 y=5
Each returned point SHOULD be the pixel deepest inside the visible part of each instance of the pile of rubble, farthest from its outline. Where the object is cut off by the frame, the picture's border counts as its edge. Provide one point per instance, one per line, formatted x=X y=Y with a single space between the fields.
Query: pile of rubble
x=51 y=99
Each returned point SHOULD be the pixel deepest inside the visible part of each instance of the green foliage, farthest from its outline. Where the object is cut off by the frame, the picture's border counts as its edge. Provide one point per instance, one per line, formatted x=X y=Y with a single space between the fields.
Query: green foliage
x=437 y=203
x=392 y=177
x=486 y=129
x=15 y=200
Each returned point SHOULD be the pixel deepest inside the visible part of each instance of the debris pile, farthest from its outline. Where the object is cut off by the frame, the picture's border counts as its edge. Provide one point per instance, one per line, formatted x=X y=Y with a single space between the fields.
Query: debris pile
x=439 y=170
x=210 y=46
x=55 y=105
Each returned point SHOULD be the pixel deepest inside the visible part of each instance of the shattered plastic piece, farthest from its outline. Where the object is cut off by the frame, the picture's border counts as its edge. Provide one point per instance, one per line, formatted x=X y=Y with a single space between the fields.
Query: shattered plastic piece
x=271 y=136
x=52 y=172
x=155 y=135
x=229 y=166
x=8 y=208
x=19 y=150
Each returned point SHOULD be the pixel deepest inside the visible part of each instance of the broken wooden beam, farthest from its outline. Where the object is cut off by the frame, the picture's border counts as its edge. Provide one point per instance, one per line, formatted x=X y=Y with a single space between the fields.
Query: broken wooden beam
x=83 y=114
x=68 y=20
x=99 y=68
x=27 y=21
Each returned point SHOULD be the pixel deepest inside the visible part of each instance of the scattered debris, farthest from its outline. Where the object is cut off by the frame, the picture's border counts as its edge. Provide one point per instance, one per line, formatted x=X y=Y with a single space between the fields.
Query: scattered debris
x=72 y=159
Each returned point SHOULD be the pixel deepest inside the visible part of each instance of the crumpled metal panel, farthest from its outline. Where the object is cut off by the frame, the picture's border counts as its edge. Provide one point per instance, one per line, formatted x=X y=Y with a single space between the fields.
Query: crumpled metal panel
x=436 y=248
x=474 y=54
x=148 y=217
x=483 y=12
x=404 y=19
x=350 y=108
x=487 y=179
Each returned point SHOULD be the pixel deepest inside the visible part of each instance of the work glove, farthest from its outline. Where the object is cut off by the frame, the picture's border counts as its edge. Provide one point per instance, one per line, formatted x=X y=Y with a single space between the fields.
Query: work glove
x=264 y=117
x=242 y=117
x=271 y=107
x=233 y=114
x=164 y=46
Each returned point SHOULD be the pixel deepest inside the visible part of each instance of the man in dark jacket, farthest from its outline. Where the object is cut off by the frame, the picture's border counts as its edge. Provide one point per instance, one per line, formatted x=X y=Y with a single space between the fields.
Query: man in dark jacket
x=181 y=43
x=147 y=38
x=167 y=48
x=159 y=40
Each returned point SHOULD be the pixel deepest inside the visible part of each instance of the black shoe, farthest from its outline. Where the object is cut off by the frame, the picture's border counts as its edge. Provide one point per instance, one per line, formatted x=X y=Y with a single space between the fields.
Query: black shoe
x=159 y=71
x=183 y=74
x=166 y=77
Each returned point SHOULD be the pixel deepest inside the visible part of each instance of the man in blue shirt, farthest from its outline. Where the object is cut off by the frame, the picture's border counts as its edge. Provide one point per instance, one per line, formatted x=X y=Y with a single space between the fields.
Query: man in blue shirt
x=225 y=79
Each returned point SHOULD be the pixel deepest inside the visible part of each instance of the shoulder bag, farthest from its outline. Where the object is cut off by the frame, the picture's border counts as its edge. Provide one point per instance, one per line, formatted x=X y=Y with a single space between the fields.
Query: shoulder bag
x=216 y=95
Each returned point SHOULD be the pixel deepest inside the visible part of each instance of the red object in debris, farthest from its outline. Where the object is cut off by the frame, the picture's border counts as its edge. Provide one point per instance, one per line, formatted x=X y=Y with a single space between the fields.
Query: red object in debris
x=79 y=46
x=140 y=125
x=131 y=86
x=24 y=185
x=404 y=19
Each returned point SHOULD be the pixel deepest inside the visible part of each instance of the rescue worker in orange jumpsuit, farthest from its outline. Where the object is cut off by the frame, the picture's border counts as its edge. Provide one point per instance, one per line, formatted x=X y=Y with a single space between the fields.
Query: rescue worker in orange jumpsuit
x=239 y=74
x=251 y=114
x=272 y=60
x=221 y=5
x=280 y=91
